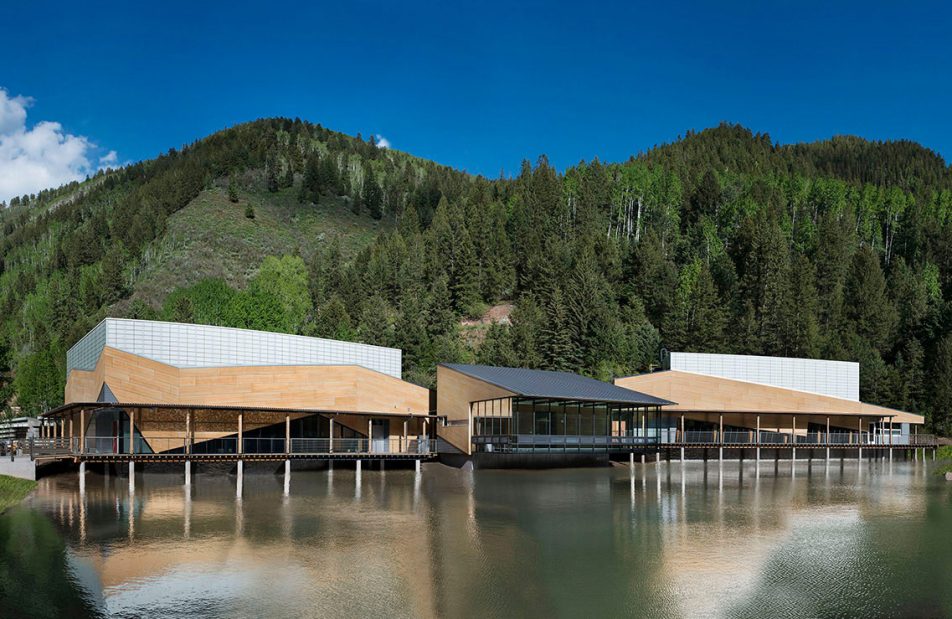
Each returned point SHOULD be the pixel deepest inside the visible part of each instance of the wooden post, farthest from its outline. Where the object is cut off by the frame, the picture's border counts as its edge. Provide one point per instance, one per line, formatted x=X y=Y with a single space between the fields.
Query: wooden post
x=828 y=439
x=287 y=433
x=71 y=435
x=331 y=441
x=758 y=438
x=794 y=438
x=82 y=431
x=403 y=440
x=241 y=436
x=890 y=438
x=720 y=436
x=683 y=438
x=370 y=428
x=132 y=429
x=188 y=432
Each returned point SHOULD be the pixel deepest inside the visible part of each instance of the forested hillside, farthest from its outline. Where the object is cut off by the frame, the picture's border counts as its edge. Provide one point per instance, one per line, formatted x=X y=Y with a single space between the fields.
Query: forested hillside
x=721 y=241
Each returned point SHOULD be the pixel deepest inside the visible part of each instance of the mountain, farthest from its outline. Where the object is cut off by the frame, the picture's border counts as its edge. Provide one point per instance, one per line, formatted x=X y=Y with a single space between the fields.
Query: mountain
x=719 y=241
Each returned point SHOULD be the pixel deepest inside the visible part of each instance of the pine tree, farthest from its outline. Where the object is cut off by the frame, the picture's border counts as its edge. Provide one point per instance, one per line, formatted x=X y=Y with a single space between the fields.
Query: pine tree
x=233 y=189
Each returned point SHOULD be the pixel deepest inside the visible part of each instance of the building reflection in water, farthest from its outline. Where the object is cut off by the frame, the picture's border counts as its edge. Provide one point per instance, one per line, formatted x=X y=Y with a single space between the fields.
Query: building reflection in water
x=666 y=539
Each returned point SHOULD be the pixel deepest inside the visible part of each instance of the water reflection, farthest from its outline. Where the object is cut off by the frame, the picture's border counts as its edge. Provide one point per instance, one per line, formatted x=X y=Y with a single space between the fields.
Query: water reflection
x=660 y=539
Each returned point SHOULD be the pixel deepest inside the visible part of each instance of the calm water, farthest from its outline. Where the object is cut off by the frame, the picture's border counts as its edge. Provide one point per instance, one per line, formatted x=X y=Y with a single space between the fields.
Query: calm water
x=655 y=541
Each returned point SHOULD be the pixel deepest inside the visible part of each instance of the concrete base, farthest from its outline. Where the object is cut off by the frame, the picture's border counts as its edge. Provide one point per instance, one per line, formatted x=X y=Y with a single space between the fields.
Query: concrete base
x=22 y=467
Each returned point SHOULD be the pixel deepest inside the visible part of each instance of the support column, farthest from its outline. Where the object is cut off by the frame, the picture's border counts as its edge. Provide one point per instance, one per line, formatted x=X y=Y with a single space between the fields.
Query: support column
x=859 y=438
x=188 y=432
x=758 y=438
x=71 y=435
x=132 y=435
x=416 y=465
x=682 y=438
x=403 y=439
x=370 y=429
x=241 y=434
x=287 y=433
x=132 y=477
x=332 y=436
x=241 y=479
x=827 y=439
x=794 y=438
x=890 y=438
x=82 y=432
x=188 y=472
x=358 y=467
x=720 y=436
x=82 y=479
x=631 y=459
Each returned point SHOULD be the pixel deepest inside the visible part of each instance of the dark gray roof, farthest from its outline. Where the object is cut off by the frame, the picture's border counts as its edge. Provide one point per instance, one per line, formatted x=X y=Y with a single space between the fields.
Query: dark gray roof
x=555 y=385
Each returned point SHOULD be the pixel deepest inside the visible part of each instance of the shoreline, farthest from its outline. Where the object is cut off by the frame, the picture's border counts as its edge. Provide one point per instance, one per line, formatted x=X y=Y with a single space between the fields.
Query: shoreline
x=13 y=491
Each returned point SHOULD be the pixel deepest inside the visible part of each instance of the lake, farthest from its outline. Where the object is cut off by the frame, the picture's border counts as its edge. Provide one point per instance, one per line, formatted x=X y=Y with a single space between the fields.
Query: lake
x=662 y=540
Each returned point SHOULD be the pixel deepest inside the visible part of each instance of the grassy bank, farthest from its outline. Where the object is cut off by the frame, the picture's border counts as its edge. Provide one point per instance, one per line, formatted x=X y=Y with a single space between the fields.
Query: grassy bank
x=13 y=490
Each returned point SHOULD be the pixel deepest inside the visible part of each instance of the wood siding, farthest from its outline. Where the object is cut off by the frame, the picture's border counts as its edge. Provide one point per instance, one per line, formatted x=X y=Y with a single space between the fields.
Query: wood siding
x=455 y=391
x=705 y=397
x=344 y=388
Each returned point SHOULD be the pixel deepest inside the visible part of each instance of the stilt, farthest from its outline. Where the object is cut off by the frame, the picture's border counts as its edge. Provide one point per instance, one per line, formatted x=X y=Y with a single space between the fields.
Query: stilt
x=132 y=477
x=287 y=477
x=358 y=467
x=682 y=455
x=642 y=458
x=241 y=478
x=631 y=459
x=188 y=472
x=416 y=465
x=82 y=478
x=860 y=457
x=720 y=454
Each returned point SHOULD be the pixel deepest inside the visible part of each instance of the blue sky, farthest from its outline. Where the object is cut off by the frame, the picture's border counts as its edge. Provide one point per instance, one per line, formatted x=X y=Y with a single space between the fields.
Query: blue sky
x=482 y=86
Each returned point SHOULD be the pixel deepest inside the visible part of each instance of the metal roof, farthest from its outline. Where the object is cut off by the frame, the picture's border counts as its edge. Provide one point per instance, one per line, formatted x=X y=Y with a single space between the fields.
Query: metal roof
x=555 y=385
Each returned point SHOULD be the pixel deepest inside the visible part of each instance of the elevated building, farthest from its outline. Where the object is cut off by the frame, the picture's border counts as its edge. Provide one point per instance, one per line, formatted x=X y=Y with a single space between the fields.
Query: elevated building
x=732 y=397
x=520 y=417
x=207 y=390
x=141 y=389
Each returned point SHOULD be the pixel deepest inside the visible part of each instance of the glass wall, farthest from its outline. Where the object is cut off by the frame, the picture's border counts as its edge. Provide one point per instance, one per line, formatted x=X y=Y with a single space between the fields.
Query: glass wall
x=563 y=423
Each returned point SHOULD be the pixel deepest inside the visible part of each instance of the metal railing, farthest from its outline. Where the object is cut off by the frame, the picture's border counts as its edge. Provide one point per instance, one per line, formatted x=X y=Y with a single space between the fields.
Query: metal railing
x=819 y=439
x=112 y=445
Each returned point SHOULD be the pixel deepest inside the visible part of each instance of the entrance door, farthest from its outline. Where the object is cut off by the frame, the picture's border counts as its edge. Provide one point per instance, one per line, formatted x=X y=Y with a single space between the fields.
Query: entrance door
x=379 y=435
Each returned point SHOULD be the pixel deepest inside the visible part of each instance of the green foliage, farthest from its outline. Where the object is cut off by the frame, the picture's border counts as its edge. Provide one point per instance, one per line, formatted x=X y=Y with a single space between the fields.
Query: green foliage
x=13 y=490
x=722 y=241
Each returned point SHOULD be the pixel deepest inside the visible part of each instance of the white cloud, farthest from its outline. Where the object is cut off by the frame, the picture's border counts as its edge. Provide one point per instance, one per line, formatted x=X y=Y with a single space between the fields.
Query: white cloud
x=41 y=156
x=382 y=142
x=109 y=160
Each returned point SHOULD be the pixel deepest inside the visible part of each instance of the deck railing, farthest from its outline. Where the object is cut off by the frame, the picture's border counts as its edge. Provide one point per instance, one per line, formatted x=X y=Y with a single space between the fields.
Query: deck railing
x=810 y=439
x=112 y=445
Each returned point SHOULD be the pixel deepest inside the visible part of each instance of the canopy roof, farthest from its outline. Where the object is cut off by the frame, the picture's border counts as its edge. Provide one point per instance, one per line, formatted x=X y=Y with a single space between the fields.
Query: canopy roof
x=701 y=393
x=555 y=385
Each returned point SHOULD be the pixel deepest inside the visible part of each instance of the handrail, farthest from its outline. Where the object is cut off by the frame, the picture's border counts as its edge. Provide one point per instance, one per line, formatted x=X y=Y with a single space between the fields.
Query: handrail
x=112 y=445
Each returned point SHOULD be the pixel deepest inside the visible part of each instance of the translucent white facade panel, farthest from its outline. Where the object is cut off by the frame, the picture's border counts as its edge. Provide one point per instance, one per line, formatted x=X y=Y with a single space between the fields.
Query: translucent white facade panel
x=202 y=346
x=839 y=379
x=85 y=353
